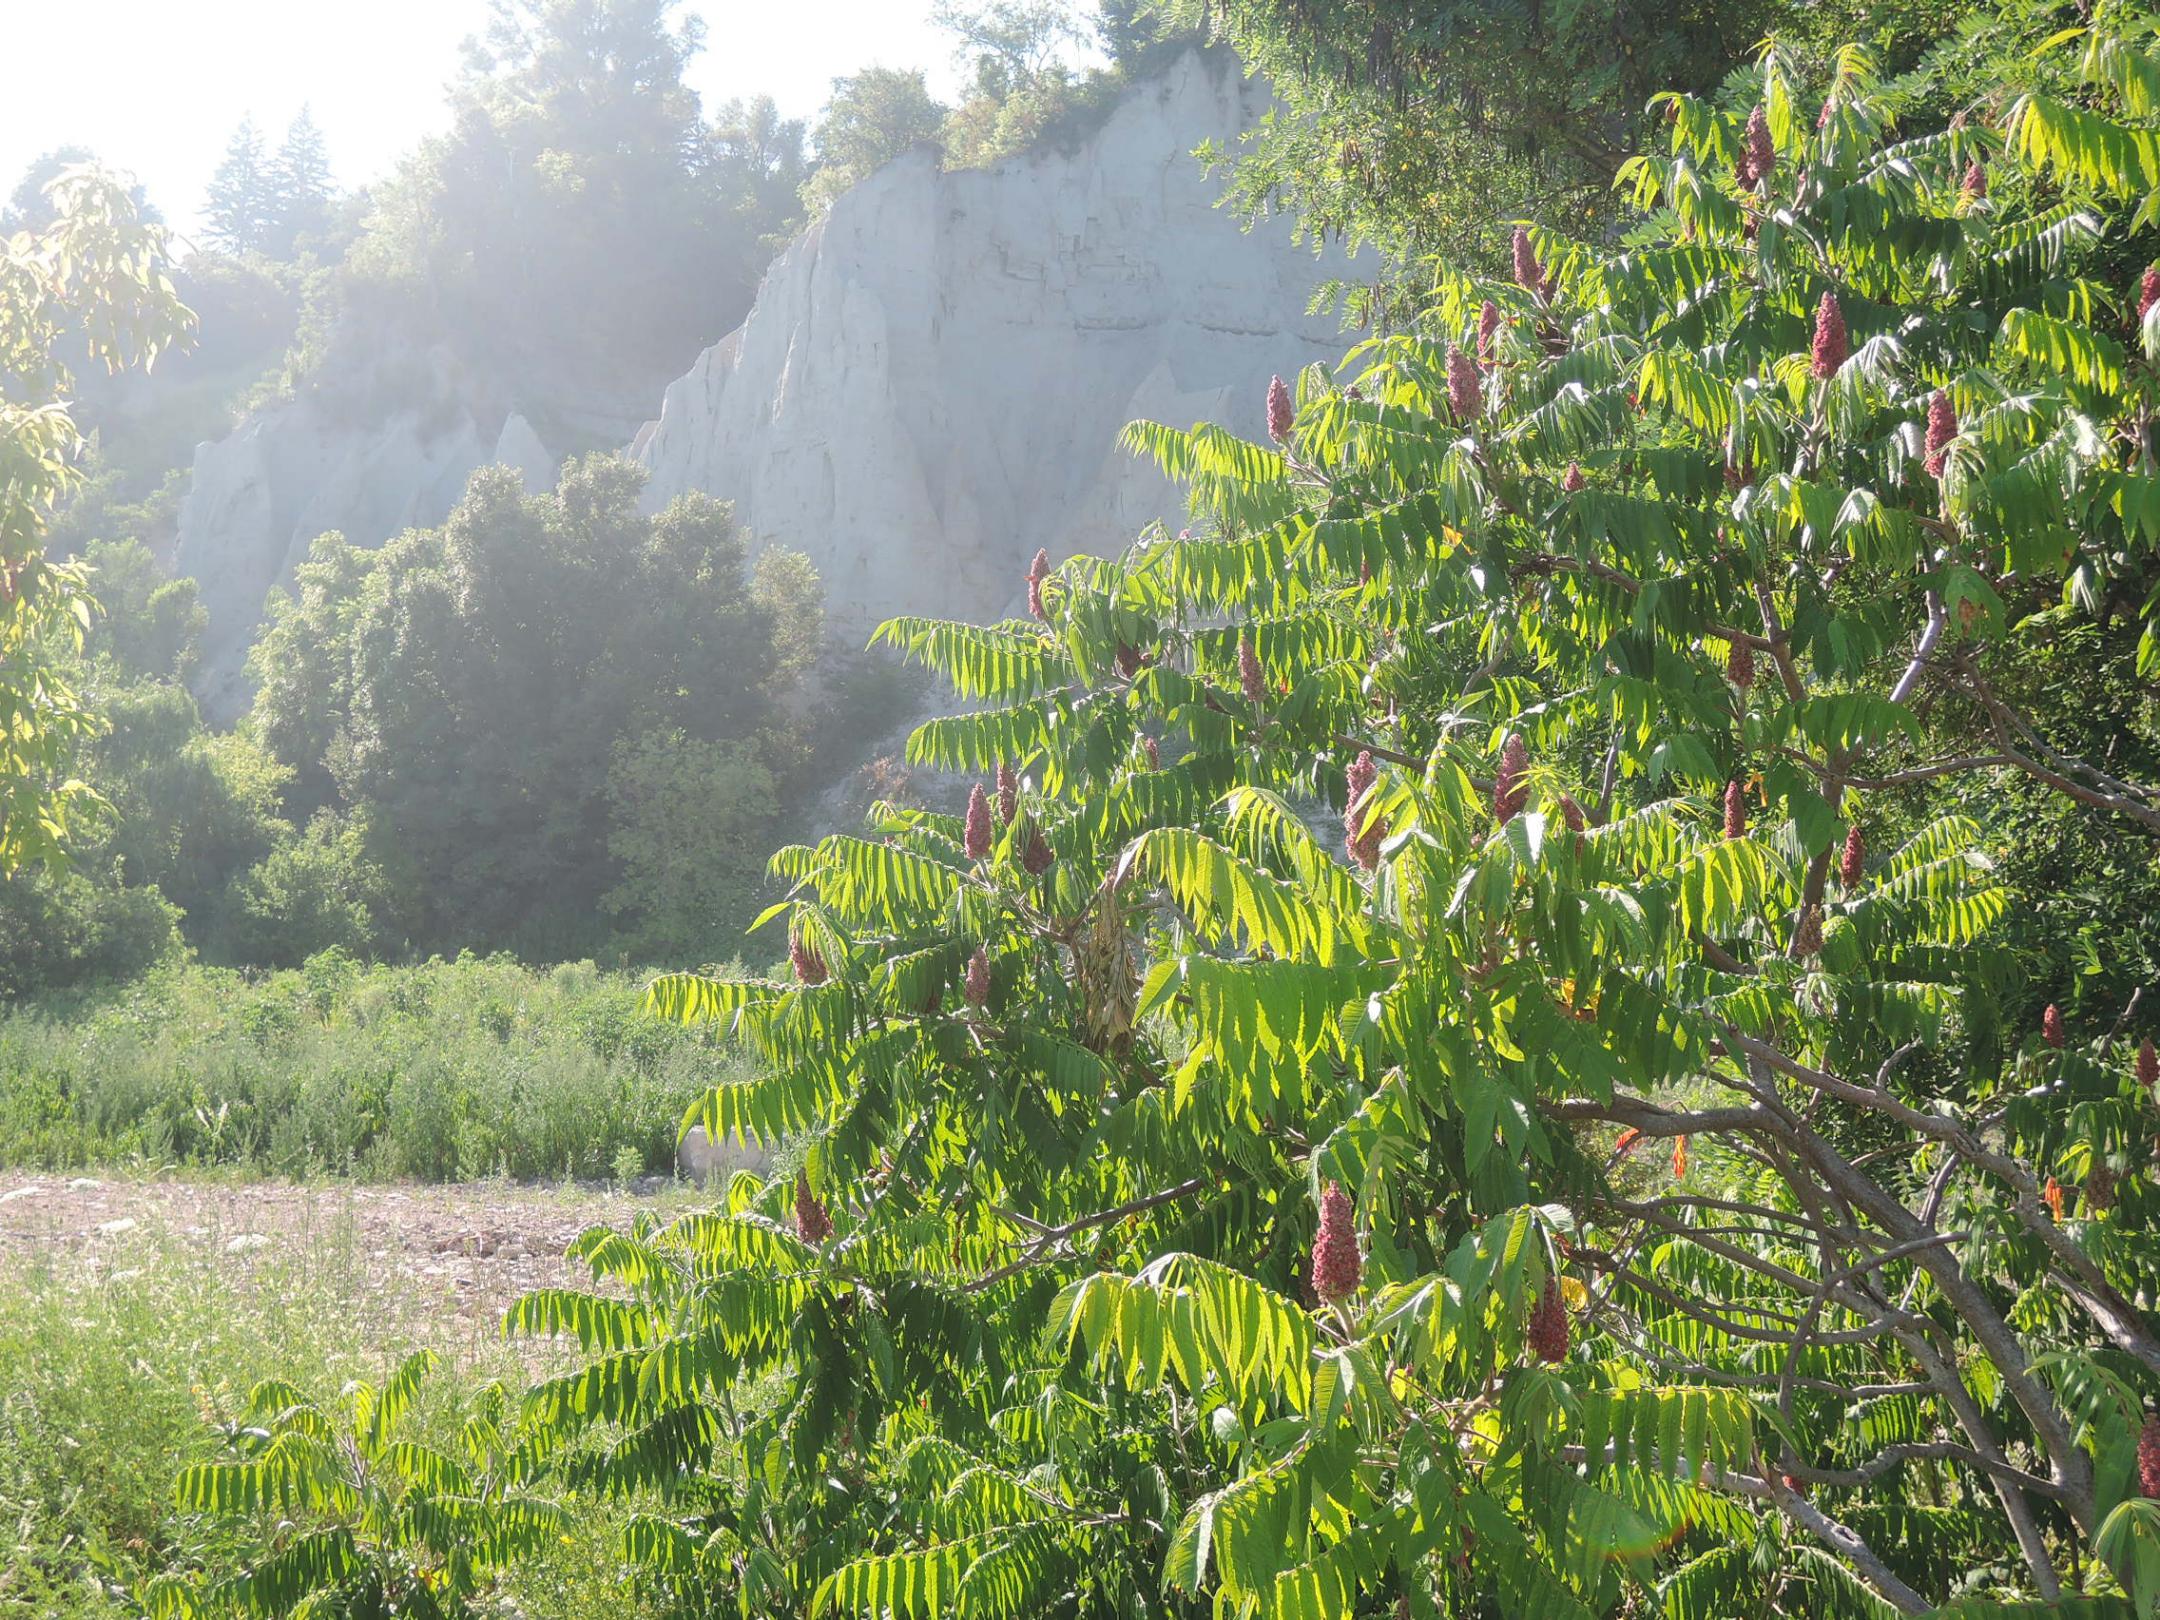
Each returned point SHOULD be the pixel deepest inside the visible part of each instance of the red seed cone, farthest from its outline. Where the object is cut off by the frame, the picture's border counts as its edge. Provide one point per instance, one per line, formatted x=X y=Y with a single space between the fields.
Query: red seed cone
x=1336 y=1268
x=1573 y=813
x=2148 y=1064
x=1510 y=791
x=1735 y=809
x=1038 y=571
x=809 y=966
x=1528 y=275
x=1008 y=793
x=2051 y=1194
x=1740 y=664
x=2099 y=1189
x=1548 y=1333
x=1463 y=393
x=1808 y=941
x=976 y=838
x=812 y=1224
x=1252 y=681
x=1758 y=161
x=1362 y=842
x=2149 y=1458
x=1832 y=345
x=1036 y=854
x=2051 y=1027
x=1822 y=119
x=1942 y=427
x=1488 y=328
x=975 y=984
x=1281 y=413
x=2148 y=291
x=1975 y=186
x=1572 y=479
x=1149 y=747
x=1854 y=858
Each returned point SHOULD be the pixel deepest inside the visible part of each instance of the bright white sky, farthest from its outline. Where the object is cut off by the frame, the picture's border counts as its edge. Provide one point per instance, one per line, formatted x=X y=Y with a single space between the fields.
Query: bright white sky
x=156 y=86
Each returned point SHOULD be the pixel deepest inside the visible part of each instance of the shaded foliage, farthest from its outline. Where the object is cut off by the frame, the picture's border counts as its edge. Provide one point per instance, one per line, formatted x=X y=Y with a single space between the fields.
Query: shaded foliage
x=458 y=692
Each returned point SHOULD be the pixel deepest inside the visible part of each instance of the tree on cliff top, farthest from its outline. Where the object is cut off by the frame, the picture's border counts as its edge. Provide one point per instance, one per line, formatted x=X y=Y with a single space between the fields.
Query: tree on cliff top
x=1422 y=126
x=240 y=205
x=872 y=118
x=581 y=229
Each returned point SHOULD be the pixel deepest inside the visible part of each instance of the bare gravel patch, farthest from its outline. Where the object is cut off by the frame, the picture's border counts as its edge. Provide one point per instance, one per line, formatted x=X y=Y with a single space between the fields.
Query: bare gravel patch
x=441 y=1253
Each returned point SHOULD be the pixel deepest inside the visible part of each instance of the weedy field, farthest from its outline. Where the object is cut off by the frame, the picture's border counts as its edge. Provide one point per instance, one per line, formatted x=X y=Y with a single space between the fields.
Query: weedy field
x=136 y=1315
x=445 y=1070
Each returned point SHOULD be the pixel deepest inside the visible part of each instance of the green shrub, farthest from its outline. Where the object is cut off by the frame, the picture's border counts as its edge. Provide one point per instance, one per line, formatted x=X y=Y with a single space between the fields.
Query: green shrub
x=78 y=924
x=111 y=1376
x=439 y=1071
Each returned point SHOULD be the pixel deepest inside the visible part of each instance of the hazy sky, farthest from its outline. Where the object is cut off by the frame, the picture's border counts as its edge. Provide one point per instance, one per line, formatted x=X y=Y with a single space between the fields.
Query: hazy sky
x=156 y=86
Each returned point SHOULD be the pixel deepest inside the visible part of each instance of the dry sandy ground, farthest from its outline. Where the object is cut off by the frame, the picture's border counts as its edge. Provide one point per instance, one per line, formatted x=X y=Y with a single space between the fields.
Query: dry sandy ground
x=459 y=1252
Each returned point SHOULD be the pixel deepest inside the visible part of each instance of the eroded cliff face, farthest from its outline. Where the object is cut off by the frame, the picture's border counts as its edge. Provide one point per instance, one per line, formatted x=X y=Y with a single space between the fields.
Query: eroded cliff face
x=258 y=497
x=931 y=383
x=929 y=387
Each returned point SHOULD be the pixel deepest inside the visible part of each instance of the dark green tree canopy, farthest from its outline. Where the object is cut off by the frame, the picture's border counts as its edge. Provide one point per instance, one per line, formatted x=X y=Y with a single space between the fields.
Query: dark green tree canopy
x=462 y=689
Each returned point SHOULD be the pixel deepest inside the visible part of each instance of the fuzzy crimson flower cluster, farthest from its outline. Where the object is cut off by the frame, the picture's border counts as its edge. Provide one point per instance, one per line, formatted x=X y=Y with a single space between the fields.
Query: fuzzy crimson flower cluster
x=1529 y=274
x=1833 y=345
x=1942 y=427
x=1281 y=413
x=1038 y=571
x=1336 y=1267
x=1740 y=664
x=1758 y=153
x=1465 y=394
x=1252 y=681
x=1548 y=1333
x=1362 y=841
x=812 y=1224
x=1488 y=329
x=1510 y=790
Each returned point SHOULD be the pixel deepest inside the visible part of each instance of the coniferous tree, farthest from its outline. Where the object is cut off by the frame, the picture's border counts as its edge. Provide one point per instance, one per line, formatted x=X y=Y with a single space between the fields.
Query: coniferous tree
x=240 y=210
x=299 y=182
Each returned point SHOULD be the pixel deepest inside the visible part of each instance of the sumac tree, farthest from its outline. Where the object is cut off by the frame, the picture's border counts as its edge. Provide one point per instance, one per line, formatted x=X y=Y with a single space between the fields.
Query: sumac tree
x=1414 y=1100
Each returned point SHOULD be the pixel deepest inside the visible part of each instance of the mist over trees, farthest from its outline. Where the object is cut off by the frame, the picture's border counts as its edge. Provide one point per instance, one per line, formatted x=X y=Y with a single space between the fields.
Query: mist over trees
x=461 y=693
x=271 y=204
x=552 y=725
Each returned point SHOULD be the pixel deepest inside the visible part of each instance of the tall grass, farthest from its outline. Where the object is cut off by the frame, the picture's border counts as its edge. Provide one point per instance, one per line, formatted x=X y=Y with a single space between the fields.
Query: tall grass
x=441 y=1071
x=115 y=1374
